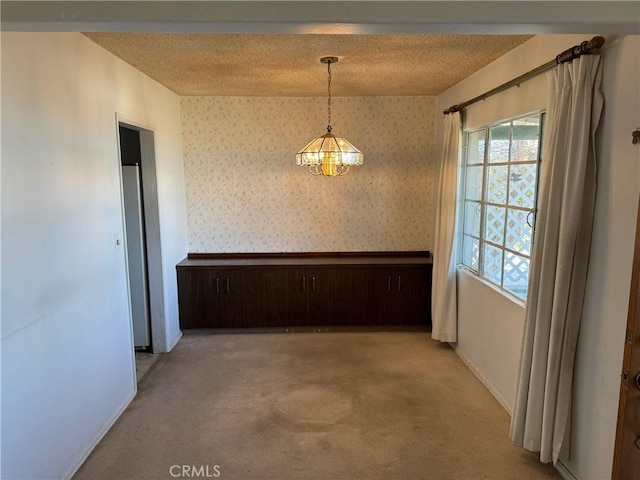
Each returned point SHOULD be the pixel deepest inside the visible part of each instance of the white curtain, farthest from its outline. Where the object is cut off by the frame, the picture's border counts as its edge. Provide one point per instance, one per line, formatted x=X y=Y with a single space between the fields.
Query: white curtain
x=444 y=295
x=542 y=416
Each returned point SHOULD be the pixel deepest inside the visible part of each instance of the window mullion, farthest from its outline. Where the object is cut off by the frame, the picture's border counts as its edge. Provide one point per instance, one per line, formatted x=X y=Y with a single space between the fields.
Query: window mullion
x=506 y=206
x=520 y=254
x=512 y=207
x=483 y=203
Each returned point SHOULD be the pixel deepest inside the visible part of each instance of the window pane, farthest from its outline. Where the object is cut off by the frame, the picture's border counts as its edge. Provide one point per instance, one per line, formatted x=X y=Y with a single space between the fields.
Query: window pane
x=472 y=218
x=475 y=147
x=494 y=224
x=522 y=184
x=516 y=274
x=524 y=139
x=497 y=184
x=473 y=188
x=518 y=231
x=492 y=263
x=470 y=251
x=499 y=143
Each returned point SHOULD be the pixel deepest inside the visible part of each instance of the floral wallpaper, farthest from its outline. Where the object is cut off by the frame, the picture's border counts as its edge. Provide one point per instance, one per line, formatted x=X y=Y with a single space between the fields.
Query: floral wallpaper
x=246 y=194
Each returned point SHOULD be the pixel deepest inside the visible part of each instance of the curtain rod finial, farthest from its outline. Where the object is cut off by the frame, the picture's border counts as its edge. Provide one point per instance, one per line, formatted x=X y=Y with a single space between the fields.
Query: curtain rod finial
x=451 y=109
x=585 y=48
x=597 y=41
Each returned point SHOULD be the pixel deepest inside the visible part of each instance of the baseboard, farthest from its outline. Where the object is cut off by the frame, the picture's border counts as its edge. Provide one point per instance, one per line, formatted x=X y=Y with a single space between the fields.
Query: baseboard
x=485 y=381
x=175 y=341
x=103 y=431
x=564 y=471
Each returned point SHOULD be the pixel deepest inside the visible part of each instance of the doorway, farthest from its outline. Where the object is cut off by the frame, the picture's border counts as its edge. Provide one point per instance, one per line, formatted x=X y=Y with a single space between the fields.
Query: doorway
x=142 y=243
x=135 y=238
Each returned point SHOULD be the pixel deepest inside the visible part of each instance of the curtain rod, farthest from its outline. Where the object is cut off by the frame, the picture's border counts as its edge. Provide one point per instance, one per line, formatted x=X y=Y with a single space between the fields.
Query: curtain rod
x=586 y=47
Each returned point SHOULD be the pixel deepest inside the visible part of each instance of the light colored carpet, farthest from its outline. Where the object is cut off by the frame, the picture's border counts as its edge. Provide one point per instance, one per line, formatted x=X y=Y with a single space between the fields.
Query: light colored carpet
x=341 y=405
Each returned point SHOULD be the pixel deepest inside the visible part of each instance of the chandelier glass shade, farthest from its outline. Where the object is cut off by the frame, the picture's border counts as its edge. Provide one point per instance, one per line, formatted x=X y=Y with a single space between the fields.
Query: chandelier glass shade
x=329 y=155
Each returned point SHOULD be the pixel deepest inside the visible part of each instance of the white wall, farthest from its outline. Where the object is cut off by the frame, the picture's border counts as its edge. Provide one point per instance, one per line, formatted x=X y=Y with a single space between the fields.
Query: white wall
x=487 y=340
x=67 y=361
x=490 y=328
x=245 y=193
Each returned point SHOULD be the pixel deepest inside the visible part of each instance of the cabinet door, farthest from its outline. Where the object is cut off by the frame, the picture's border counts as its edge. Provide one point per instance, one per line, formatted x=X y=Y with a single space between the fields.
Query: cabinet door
x=297 y=297
x=275 y=297
x=369 y=296
x=253 y=294
x=197 y=297
x=331 y=296
x=412 y=291
x=229 y=303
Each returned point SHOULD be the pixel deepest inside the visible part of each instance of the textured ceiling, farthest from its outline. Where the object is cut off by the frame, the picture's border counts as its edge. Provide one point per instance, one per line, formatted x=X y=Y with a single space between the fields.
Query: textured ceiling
x=289 y=64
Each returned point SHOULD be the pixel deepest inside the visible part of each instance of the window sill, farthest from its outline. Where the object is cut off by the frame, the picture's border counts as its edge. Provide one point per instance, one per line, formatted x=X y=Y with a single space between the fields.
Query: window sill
x=505 y=293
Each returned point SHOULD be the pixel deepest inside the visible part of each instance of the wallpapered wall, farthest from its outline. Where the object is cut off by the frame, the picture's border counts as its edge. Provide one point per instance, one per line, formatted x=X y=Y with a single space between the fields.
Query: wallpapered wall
x=245 y=193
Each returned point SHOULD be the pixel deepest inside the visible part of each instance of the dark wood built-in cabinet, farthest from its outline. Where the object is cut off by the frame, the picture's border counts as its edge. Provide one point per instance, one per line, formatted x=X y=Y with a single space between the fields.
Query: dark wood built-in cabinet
x=260 y=291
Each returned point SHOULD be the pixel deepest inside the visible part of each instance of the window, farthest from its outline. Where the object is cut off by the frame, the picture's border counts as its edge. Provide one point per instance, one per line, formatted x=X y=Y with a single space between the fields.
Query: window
x=500 y=190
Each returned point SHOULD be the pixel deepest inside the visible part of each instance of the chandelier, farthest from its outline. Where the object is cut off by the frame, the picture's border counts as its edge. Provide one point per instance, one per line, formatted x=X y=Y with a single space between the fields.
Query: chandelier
x=329 y=155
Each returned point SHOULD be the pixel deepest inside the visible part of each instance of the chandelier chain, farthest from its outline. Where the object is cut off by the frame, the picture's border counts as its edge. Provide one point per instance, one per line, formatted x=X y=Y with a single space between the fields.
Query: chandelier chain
x=329 y=98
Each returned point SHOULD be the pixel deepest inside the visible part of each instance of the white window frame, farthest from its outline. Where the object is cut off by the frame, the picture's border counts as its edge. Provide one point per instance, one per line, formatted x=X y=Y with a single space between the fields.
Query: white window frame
x=484 y=203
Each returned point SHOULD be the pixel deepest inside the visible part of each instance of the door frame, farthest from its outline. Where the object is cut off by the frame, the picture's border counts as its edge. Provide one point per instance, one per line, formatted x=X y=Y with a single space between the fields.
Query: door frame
x=152 y=230
x=622 y=461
